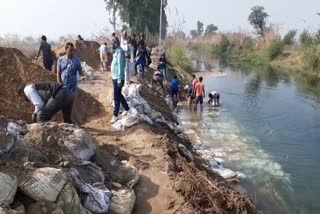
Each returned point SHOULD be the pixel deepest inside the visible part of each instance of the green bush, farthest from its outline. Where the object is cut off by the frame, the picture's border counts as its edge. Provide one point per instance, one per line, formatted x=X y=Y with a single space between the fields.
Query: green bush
x=311 y=57
x=317 y=38
x=275 y=49
x=222 y=49
x=306 y=38
x=288 y=39
x=178 y=57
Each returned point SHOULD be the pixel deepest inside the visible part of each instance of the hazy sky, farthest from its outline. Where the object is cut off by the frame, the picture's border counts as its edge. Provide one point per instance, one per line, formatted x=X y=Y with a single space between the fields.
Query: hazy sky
x=62 y=17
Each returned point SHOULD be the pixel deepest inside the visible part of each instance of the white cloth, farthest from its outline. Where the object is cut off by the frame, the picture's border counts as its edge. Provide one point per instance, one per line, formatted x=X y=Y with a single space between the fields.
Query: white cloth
x=124 y=45
x=103 y=49
x=214 y=93
x=34 y=97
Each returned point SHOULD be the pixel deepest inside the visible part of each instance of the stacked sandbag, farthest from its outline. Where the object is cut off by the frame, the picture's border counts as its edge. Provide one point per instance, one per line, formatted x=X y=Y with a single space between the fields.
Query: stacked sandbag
x=50 y=164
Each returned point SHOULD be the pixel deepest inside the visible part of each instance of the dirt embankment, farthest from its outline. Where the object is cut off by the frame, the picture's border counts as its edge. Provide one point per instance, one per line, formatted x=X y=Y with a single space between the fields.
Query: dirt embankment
x=170 y=181
x=87 y=51
x=15 y=70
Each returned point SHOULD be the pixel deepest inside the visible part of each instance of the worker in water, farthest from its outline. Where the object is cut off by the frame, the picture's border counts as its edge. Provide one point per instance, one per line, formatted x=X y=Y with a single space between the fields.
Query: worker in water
x=215 y=98
x=48 y=98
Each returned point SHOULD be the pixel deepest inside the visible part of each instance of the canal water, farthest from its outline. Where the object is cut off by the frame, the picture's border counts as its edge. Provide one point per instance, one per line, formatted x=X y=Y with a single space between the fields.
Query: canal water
x=267 y=128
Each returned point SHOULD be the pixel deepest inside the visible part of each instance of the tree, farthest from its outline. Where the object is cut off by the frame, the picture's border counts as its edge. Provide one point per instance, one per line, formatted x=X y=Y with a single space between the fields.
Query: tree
x=200 y=28
x=288 y=39
x=258 y=19
x=139 y=15
x=193 y=33
x=210 y=29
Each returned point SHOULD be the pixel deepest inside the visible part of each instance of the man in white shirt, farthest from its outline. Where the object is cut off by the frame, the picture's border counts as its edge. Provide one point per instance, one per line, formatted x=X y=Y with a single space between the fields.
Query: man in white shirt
x=104 y=56
x=215 y=97
x=129 y=55
x=48 y=98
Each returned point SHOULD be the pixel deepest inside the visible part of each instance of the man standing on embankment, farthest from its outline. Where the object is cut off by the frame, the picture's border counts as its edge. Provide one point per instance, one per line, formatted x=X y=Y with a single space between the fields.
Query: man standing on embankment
x=68 y=67
x=45 y=48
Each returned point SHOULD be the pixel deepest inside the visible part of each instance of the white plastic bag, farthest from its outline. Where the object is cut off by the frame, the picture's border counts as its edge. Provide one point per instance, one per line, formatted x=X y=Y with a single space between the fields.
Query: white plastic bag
x=94 y=197
x=81 y=144
x=44 y=184
x=8 y=188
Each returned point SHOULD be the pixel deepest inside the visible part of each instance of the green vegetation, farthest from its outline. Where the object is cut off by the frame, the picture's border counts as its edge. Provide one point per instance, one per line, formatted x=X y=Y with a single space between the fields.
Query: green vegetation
x=199 y=32
x=275 y=49
x=178 y=57
x=138 y=15
x=291 y=52
x=258 y=19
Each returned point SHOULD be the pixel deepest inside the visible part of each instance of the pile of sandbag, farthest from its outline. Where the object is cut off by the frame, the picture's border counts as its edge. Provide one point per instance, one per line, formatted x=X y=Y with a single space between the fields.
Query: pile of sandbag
x=50 y=164
x=140 y=110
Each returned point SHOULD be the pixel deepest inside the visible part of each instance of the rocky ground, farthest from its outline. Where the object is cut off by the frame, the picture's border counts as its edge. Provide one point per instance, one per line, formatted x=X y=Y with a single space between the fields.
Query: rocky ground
x=149 y=167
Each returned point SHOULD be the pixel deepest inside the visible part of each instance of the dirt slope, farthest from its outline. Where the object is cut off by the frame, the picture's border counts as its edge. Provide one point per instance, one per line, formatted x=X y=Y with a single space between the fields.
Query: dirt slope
x=168 y=183
x=16 y=69
x=86 y=51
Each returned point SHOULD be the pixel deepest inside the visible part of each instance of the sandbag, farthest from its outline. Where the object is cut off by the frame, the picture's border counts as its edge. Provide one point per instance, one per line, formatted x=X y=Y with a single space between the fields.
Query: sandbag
x=7 y=141
x=44 y=207
x=44 y=184
x=10 y=211
x=88 y=71
x=81 y=144
x=69 y=201
x=8 y=188
x=185 y=152
x=122 y=201
x=94 y=197
x=89 y=172
x=15 y=129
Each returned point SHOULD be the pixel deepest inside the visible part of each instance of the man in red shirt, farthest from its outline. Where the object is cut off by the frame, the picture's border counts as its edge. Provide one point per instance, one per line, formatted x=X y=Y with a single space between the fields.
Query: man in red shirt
x=194 y=82
x=200 y=93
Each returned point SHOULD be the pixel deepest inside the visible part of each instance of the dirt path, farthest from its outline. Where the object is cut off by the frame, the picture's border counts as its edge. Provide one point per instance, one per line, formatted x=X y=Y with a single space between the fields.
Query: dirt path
x=140 y=146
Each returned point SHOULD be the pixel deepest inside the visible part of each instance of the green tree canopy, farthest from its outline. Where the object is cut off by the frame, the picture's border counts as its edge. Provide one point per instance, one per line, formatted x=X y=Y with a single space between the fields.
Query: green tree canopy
x=193 y=33
x=200 y=28
x=258 y=19
x=210 y=29
x=140 y=15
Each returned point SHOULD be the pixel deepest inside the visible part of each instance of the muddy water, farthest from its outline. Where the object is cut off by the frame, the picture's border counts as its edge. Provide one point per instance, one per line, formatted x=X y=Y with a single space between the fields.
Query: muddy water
x=268 y=128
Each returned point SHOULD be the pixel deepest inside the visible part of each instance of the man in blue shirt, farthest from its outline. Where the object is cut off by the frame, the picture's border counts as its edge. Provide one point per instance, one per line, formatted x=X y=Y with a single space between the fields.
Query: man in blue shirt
x=174 y=90
x=117 y=72
x=68 y=66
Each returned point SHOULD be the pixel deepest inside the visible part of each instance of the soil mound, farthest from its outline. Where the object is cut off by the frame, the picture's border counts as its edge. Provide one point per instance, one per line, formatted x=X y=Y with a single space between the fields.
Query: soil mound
x=16 y=69
x=85 y=50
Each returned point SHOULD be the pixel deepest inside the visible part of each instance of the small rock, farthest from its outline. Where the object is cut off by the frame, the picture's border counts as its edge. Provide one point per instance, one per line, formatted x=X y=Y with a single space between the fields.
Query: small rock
x=185 y=152
x=26 y=164
x=65 y=164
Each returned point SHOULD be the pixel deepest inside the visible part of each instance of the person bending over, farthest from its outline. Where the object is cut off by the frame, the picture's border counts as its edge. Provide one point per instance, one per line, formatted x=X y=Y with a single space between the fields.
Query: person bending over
x=214 y=97
x=48 y=98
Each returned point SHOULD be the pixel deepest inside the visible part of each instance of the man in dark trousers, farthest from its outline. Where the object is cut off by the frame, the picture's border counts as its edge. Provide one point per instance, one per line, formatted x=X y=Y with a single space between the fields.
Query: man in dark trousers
x=48 y=98
x=45 y=48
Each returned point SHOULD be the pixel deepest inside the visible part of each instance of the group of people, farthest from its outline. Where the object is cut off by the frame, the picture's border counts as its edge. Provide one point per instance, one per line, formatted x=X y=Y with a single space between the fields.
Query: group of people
x=135 y=53
x=196 y=93
x=50 y=97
